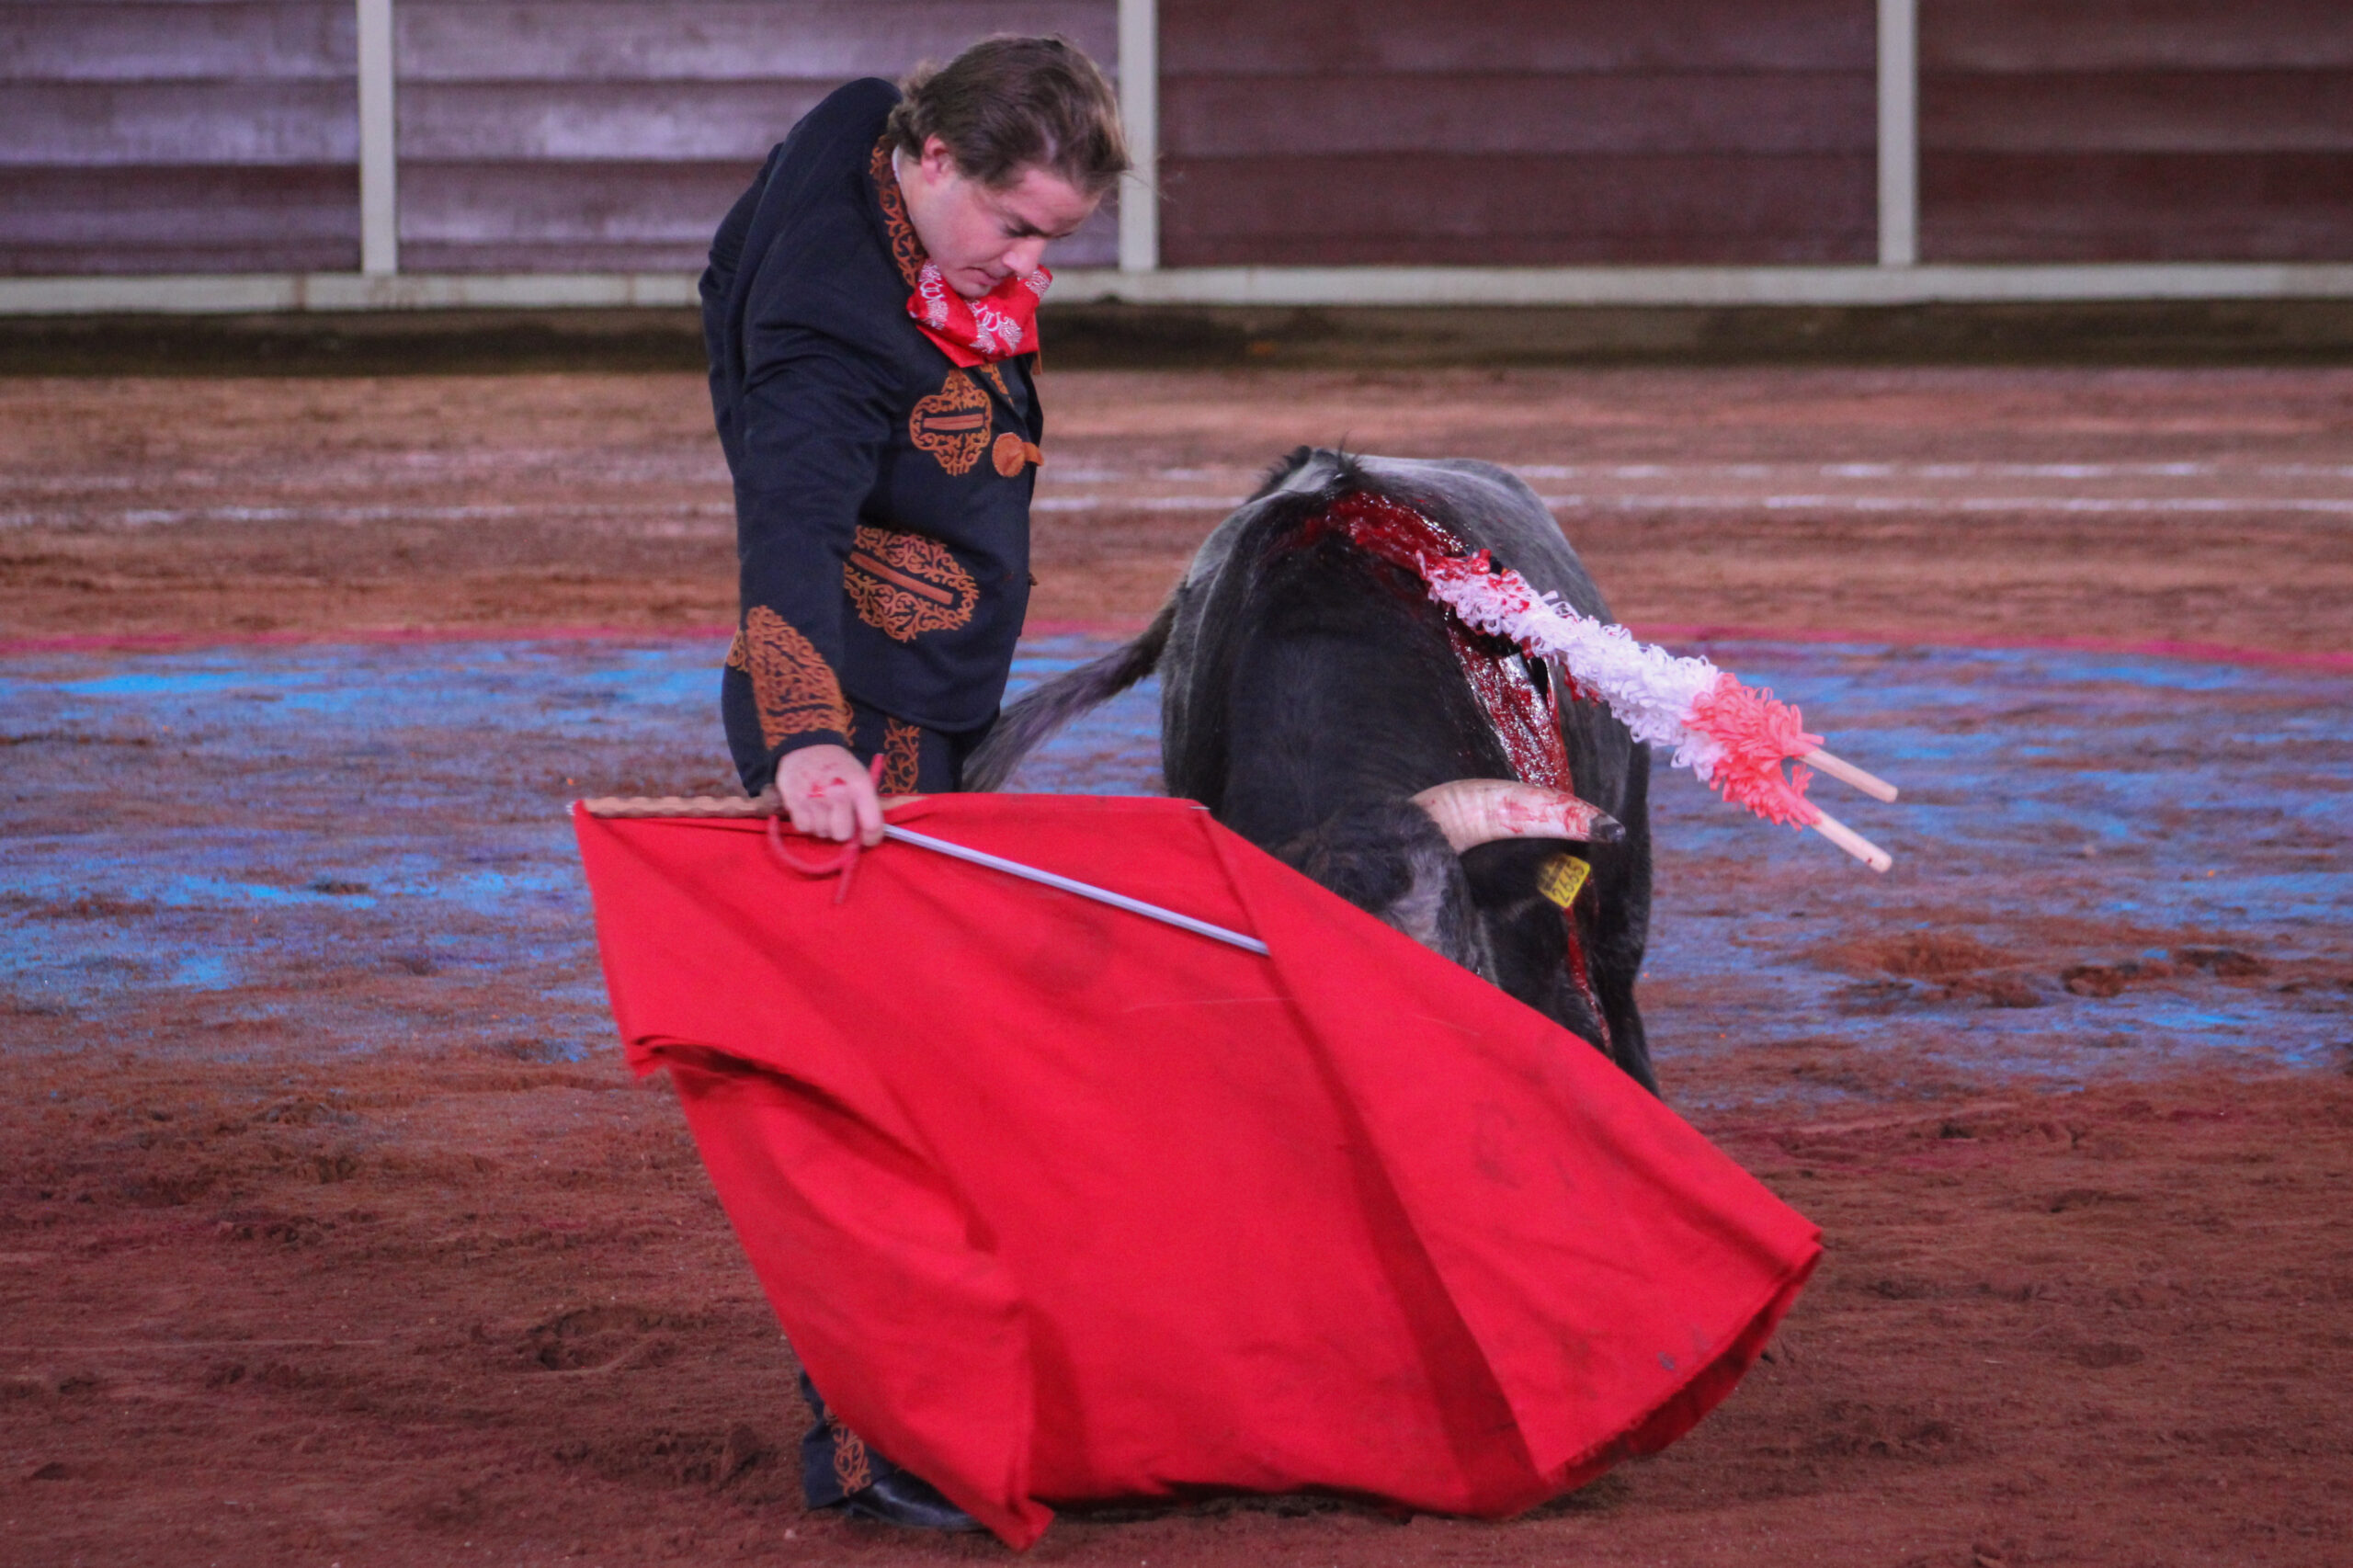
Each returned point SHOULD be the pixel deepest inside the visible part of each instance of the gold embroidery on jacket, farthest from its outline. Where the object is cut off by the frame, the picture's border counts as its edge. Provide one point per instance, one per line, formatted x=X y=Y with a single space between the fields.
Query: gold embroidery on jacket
x=952 y=423
x=735 y=653
x=905 y=249
x=904 y=584
x=902 y=756
x=792 y=687
x=996 y=380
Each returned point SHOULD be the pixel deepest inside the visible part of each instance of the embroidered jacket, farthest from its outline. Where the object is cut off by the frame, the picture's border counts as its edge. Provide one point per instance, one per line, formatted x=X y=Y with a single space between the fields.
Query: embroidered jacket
x=881 y=494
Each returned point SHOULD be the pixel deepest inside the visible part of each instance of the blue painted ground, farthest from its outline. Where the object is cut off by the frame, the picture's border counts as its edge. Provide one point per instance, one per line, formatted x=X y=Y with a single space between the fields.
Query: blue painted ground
x=253 y=851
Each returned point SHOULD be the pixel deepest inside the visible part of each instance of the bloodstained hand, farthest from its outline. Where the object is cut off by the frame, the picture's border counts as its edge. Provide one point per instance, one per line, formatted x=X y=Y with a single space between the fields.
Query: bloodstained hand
x=829 y=794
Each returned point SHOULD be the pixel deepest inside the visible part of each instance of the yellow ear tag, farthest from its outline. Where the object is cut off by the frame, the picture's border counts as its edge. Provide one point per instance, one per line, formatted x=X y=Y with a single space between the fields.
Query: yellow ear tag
x=1560 y=879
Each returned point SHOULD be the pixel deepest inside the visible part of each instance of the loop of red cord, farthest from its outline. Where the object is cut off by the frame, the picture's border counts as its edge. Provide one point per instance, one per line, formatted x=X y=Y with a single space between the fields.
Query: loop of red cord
x=845 y=863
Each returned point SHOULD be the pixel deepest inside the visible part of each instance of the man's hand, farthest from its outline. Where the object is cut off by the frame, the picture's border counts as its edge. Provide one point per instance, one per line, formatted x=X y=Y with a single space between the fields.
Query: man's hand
x=829 y=794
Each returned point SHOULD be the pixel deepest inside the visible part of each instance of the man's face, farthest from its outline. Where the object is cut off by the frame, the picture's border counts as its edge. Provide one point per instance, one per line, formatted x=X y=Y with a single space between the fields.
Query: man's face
x=978 y=236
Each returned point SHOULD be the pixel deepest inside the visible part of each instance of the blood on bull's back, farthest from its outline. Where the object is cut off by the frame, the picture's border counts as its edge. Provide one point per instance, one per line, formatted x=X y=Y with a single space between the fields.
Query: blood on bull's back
x=1319 y=702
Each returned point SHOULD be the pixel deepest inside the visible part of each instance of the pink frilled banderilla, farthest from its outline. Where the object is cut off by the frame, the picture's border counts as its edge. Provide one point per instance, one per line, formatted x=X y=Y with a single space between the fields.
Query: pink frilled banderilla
x=1735 y=737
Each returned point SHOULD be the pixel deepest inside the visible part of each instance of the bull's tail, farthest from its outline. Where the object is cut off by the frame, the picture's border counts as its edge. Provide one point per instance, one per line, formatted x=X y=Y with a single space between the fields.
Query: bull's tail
x=1029 y=723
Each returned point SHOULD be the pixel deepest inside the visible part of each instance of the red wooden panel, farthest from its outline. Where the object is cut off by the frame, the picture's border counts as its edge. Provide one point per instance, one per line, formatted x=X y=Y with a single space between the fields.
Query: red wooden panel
x=624 y=40
x=2135 y=35
x=2176 y=111
x=2137 y=206
x=1475 y=211
x=232 y=40
x=99 y=124
x=1700 y=111
x=177 y=220
x=1257 y=38
x=571 y=121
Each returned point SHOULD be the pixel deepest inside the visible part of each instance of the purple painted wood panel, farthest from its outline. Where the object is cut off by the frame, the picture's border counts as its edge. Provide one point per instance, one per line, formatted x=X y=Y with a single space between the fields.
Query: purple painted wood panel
x=178 y=220
x=590 y=136
x=534 y=135
x=1239 y=117
x=718 y=41
x=2136 y=129
x=1305 y=131
x=209 y=135
x=175 y=41
x=1996 y=35
x=1376 y=38
x=1436 y=209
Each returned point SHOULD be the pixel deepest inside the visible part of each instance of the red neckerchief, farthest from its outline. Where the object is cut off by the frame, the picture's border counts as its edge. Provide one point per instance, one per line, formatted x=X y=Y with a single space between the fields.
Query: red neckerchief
x=998 y=325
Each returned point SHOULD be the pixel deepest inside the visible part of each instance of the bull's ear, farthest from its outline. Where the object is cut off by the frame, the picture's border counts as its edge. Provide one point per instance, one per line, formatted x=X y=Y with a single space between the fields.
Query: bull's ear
x=1472 y=811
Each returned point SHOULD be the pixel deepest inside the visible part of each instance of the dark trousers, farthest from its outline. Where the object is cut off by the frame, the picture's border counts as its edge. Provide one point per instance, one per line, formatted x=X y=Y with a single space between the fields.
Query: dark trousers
x=834 y=1460
x=915 y=761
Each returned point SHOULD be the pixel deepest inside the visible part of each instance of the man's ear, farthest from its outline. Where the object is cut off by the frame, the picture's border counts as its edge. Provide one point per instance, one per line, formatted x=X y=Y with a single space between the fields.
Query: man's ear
x=939 y=162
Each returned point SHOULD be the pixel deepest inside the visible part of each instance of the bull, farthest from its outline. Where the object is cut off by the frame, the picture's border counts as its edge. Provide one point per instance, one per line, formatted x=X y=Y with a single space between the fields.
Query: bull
x=1321 y=706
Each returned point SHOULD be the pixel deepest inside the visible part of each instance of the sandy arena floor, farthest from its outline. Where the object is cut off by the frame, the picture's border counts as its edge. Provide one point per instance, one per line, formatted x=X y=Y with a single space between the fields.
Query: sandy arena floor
x=331 y=1230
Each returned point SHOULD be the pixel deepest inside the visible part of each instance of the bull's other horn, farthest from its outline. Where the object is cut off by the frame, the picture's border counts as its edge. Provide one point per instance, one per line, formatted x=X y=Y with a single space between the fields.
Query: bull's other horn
x=1472 y=811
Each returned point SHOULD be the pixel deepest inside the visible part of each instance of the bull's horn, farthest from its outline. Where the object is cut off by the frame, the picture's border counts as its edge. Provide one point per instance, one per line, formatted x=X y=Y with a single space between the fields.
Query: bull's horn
x=1472 y=811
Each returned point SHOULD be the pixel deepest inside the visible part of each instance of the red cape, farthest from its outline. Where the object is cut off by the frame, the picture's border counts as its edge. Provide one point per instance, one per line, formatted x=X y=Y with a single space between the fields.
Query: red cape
x=1057 y=1203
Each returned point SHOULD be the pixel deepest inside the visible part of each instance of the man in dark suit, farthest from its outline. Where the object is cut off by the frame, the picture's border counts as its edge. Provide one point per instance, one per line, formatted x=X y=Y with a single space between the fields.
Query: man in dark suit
x=871 y=314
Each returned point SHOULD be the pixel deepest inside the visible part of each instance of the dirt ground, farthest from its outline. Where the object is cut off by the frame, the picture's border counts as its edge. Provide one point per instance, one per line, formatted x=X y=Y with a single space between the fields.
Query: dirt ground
x=2198 y=506
x=438 y=1299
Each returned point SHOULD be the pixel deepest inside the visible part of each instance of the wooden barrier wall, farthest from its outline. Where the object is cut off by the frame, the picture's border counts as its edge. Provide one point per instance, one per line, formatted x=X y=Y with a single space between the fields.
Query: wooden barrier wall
x=2136 y=129
x=597 y=136
x=1520 y=132
x=221 y=136
x=187 y=136
x=533 y=135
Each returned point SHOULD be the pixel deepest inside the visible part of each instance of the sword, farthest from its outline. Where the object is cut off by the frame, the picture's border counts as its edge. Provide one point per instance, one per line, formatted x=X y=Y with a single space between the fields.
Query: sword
x=731 y=807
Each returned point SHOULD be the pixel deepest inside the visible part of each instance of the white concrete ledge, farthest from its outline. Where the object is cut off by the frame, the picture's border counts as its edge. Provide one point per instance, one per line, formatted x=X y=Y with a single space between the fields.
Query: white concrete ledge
x=1508 y=286
x=1278 y=287
x=275 y=293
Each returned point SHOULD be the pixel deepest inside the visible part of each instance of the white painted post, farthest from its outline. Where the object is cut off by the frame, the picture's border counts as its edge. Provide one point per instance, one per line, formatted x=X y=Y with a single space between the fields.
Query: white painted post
x=1140 y=109
x=379 y=231
x=1899 y=132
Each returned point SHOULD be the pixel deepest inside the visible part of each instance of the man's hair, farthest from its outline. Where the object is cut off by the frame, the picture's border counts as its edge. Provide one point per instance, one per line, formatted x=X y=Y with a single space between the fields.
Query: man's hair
x=1007 y=105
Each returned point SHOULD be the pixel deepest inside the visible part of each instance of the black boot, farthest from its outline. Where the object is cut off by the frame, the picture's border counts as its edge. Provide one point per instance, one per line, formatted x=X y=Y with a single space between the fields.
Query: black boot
x=908 y=1501
x=839 y=1471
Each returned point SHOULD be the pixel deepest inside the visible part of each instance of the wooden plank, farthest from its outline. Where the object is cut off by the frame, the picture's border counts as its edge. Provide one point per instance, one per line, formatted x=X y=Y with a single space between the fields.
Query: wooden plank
x=172 y=219
x=683 y=254
x=2135 y=35
x=1700 y=111
x=718 y=41
x=1578 y=249
x=2211 y=111
x=235 y=40
x=1432 y=209
x=1376 y=38
x=2137 y=206
x=561 y=204
x=107 y=124
x=623 y=122
x=589 y=217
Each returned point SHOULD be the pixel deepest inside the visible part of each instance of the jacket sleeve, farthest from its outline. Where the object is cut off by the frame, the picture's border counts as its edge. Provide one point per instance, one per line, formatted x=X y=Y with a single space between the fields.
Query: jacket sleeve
x=814 y=421
x=717 y=289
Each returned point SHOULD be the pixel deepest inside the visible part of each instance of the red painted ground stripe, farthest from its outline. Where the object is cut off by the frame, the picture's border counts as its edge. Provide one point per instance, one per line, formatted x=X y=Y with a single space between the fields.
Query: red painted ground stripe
x=1670 y=633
